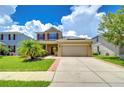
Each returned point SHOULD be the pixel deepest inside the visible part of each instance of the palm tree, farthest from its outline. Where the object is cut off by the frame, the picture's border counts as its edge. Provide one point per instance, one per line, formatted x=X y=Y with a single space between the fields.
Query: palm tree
x=30 y=49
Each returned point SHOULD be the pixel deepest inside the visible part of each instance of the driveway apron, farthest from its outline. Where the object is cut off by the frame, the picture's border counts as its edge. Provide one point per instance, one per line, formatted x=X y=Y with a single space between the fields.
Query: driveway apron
x=87 y=72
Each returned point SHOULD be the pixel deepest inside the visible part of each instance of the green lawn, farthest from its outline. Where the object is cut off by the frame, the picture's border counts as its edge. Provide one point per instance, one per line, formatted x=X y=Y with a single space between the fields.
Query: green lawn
x=15 y=63
x=12 y=83
x=111 y=59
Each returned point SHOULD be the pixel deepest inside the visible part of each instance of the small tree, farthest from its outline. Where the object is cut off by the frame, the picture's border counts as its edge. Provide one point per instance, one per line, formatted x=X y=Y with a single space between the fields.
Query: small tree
x=30 y=49
x=112 y=27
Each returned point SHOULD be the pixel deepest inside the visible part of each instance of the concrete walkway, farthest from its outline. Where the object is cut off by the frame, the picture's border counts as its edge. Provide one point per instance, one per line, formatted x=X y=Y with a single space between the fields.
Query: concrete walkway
x=27 y=76
x=32 y=75
x=87 y=72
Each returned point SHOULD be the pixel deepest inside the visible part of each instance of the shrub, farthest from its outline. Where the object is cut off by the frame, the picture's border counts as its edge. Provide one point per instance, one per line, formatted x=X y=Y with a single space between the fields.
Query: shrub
x=4 y=50
x=95 y=53
x=30 y=49
x=44 y=53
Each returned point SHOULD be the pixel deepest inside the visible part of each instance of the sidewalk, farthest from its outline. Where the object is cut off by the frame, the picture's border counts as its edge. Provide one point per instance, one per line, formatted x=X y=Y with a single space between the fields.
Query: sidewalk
x=32 y=75
x=27 y=76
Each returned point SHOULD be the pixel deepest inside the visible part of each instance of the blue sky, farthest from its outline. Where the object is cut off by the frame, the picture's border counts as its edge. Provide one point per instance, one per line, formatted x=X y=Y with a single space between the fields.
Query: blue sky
x=79 y=21
x=49 y=14
x=45 y=13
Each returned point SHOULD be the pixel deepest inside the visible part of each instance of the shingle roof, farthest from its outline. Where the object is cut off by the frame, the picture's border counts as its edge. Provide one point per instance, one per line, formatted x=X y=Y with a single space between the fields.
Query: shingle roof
x=2 y=43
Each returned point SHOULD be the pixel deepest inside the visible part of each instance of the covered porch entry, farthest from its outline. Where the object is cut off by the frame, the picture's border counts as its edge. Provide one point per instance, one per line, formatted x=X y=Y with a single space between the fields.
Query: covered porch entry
x=50 y=46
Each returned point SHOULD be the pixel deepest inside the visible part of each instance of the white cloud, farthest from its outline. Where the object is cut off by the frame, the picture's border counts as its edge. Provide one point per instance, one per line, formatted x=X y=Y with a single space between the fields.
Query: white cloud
x=7 y=9
x=74 y=34
x=31 y=27
x=5 y=12
x=21 y=29
x=84 y=36
x=34 y=25
x=83 y=20
x=70 y=33
x=5 y=20
x=37 y=26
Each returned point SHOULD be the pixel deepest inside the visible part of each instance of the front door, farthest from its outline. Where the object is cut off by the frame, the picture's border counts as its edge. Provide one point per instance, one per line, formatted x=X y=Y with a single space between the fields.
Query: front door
x=52 y=52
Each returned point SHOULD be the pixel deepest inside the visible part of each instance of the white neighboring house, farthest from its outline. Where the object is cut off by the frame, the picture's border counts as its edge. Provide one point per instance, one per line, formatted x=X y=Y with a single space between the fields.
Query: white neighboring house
x=103 y=47
x=11 y=39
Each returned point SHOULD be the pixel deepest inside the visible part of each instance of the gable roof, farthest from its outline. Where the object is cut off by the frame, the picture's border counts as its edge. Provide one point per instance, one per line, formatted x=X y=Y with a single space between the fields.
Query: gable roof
x=52 y=29
x=2 y=43
x=26 y=33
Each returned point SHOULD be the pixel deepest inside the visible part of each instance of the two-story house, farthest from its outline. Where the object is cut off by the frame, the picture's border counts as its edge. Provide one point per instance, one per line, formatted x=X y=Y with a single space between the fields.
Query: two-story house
x=65 y=47
x=12 y=39
x=49 y=39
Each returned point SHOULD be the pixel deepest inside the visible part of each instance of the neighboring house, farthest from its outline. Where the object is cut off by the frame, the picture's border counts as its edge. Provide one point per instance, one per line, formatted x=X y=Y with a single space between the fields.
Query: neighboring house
x=52 y=38
x=102 y=46
x=12 y=39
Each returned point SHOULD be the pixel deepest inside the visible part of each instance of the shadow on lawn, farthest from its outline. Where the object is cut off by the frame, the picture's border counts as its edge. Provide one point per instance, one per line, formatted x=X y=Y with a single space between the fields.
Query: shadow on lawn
x=32 y=60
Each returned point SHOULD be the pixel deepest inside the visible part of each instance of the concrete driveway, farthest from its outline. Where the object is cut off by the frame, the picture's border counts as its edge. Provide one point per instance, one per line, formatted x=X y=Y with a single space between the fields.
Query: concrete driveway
x=87 y=72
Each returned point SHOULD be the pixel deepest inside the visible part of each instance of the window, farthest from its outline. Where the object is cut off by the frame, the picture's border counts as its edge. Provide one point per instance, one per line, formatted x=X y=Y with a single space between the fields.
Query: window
x=11 y=36
x=14 y=48
x=52 y=36
x=14 y=36
x=1 y=37
x=40 y=36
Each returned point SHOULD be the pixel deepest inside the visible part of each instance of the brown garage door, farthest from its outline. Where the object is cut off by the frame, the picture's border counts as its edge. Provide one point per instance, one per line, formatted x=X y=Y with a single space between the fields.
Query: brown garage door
x=74 y=50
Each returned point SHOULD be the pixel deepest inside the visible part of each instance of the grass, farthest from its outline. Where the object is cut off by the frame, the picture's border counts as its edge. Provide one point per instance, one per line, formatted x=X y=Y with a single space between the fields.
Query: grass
x=111 y=59
x=12 y=83
x=15 y=63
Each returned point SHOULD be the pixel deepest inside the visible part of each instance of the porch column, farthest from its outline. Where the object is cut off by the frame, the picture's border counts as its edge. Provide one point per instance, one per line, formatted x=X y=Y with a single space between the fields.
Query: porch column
x=46 y=36
x=59 y=49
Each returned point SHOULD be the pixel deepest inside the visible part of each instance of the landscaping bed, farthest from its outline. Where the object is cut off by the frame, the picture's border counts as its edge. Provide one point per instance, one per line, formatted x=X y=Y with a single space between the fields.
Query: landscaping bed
x=16 y=63
x=13 y=83
x=111 y=59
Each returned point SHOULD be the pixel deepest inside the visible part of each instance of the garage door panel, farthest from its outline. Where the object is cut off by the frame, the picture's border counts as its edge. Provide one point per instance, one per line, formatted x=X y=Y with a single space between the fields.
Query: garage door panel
x=74 y=50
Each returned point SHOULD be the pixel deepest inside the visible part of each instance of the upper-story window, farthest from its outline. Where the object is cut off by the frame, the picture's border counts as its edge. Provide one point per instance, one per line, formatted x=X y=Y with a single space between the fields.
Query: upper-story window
x=14 y=36
x=1 y=37
x=40 y=36
x=52 y=36
x=11 y=36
